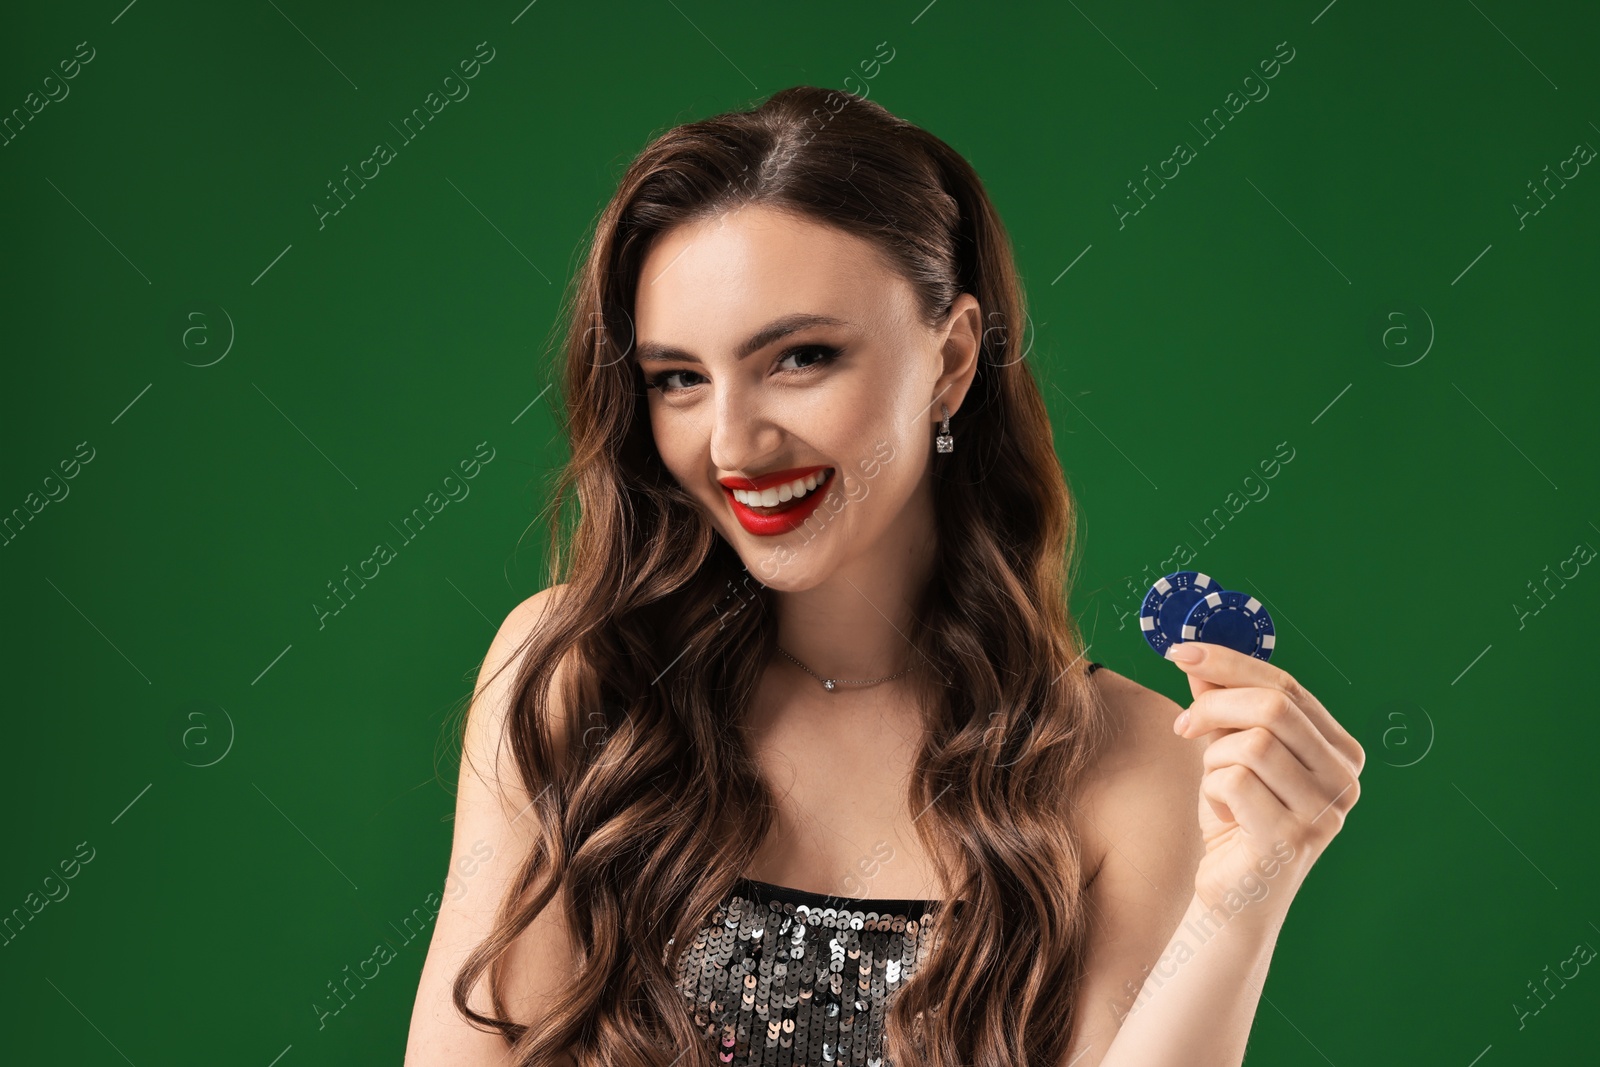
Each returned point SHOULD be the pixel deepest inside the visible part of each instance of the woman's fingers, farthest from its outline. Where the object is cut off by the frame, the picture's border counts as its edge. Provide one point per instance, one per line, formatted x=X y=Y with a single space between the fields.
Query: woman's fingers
x=1280 y=765
x=1252 y=805
x=1230 y=669
x=1258 y=749
x=1266 y=737
x=1271 y=710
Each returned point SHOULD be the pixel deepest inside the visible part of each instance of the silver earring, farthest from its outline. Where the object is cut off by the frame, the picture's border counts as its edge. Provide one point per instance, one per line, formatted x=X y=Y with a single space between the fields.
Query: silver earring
x=944 y=442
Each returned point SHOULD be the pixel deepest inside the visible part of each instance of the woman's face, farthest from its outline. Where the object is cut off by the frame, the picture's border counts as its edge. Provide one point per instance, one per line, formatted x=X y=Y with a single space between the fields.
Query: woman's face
x=779 y=346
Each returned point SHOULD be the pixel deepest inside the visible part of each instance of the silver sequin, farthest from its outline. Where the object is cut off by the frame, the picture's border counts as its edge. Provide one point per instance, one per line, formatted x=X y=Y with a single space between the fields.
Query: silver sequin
x=784 y=978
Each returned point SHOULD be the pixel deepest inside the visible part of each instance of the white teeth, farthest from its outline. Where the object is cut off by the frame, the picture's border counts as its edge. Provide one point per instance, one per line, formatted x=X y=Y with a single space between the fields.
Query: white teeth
x=782 y=494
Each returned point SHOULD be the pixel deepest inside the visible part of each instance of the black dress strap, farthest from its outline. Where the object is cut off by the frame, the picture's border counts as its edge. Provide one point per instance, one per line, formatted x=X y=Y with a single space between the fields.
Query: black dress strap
x=1094 y=667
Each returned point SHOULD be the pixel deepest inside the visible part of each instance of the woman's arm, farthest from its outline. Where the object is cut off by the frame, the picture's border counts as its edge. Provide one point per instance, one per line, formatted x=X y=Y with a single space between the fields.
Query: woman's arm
x=1274 y=774
x=493 y=834
x=1199 y=997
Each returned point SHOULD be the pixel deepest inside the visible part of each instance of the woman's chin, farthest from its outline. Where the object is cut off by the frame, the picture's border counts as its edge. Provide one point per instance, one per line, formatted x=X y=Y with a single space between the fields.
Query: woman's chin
x=795 y=576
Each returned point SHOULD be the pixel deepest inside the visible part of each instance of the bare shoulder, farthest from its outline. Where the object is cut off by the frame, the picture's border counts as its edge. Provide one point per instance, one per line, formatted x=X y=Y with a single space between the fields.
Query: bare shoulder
x=1138 y=815
x=491 y=841
x=1140 y=797
x=486 y=750
x=500 y=666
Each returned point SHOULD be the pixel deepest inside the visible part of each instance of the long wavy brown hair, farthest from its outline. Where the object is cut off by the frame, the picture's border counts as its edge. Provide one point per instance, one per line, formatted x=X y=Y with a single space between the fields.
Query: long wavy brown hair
x=654 y=806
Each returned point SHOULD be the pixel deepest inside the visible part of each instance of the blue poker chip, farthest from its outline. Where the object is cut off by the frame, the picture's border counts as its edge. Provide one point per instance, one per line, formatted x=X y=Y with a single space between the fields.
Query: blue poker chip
x=1167 y=605
x=1234 y=620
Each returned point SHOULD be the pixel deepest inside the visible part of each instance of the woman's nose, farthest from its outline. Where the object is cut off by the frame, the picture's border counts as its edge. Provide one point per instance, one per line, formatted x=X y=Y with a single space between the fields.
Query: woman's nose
x=743 y=429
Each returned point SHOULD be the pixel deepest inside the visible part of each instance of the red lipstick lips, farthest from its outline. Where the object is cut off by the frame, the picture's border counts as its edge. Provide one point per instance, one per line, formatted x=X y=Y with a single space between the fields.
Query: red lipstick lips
x=767 y=481
x=793 y=513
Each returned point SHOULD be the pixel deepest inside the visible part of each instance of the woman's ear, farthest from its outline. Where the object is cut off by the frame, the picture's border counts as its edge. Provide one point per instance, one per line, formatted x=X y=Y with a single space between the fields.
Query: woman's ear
x=961 y=344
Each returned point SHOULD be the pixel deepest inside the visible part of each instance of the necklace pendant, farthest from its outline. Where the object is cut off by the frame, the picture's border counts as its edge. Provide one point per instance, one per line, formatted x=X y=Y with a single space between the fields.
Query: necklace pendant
x=827 y=683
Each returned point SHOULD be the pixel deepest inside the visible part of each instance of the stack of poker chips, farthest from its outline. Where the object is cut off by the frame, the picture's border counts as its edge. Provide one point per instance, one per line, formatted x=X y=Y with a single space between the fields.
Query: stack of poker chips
x=1190 y=606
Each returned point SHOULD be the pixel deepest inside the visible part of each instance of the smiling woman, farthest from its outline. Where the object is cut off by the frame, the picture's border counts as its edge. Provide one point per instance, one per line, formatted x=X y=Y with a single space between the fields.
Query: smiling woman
x=797 y=319
x=833 y=385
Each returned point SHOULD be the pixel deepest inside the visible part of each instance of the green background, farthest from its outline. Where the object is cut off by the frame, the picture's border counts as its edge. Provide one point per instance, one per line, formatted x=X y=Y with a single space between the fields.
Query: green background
x=159 y=617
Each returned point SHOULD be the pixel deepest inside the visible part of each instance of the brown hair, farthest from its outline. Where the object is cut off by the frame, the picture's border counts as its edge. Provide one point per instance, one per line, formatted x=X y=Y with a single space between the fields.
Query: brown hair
x=655 y=806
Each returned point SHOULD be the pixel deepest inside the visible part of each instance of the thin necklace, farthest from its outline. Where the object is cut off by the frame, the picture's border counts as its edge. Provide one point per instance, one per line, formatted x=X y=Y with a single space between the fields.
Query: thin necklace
x=831 y=683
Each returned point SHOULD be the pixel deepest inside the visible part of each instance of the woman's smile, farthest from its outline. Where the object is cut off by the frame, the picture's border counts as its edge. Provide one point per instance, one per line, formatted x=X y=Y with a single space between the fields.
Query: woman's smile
x=776 y=503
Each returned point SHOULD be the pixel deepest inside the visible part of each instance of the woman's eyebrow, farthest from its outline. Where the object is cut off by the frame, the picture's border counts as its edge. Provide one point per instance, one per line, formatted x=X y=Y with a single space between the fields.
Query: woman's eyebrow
x=654 y=351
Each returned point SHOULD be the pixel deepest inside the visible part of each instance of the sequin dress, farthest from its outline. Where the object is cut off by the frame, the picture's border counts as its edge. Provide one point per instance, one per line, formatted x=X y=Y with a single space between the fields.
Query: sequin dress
x=787 y=978
x=784 y=977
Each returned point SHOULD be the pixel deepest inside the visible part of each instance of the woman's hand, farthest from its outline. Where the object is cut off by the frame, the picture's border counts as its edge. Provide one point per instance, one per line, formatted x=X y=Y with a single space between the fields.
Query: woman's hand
x=1280 y=775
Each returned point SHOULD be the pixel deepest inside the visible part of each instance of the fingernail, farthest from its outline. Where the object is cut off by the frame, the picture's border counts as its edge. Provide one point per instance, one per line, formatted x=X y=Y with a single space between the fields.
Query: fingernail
x=1183 y=721
x=1185 y=652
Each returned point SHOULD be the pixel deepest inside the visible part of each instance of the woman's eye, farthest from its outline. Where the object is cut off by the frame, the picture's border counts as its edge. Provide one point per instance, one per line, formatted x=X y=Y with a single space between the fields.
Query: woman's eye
x=661 y=381
x=823 y=353
x=812 y=356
